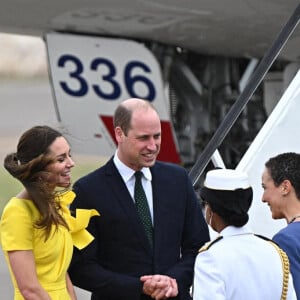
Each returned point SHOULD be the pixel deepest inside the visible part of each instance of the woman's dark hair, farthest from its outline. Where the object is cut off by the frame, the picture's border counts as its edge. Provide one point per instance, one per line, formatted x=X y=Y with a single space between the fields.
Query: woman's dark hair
x=28 y=165
x=231 y=206
x=285 y=166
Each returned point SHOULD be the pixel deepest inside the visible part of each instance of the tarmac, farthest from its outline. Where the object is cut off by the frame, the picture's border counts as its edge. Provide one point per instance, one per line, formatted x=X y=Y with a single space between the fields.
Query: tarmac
x=23 y=104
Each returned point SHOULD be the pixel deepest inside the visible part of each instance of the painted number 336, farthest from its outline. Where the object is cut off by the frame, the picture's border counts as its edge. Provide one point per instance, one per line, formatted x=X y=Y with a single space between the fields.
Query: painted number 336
x=109 y=79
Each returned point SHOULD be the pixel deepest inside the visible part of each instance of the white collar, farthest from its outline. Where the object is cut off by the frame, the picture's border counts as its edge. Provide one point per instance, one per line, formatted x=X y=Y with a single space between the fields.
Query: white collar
x=127 y=173
x=233 y=230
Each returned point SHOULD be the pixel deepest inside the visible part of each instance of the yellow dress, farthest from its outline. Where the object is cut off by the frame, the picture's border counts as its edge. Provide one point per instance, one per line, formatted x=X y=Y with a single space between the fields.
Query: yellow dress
x=52 y=257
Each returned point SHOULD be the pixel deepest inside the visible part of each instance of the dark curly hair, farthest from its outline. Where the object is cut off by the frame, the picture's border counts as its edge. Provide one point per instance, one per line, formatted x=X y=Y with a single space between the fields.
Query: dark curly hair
x=285 y=166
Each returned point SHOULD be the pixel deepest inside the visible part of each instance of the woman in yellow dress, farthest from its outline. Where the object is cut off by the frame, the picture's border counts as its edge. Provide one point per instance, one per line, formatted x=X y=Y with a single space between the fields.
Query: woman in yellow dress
x=37 y=230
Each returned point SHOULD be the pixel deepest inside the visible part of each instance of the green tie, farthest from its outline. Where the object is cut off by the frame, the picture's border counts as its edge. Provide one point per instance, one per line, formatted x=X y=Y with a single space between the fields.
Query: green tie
x=142 y=206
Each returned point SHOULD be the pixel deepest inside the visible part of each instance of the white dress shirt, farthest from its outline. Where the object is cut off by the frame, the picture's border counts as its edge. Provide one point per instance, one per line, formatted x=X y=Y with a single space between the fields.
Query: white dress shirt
x=128 y=176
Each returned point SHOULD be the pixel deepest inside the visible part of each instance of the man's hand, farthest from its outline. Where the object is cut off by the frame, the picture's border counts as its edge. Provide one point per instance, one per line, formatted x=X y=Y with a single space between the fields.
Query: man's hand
x=159 y=286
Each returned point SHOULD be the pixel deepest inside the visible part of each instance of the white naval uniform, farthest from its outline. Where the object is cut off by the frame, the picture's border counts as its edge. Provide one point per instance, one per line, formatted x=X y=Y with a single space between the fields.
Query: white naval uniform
x=240 y=266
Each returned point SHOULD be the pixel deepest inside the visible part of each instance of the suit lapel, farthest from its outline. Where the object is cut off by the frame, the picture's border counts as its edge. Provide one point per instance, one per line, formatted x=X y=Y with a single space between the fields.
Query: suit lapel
x=161 y=207
x=122 y=195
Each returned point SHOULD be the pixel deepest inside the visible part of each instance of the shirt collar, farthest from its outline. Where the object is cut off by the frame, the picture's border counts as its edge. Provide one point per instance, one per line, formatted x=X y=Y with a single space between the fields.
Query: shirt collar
x=127 y=173
x=232 y=230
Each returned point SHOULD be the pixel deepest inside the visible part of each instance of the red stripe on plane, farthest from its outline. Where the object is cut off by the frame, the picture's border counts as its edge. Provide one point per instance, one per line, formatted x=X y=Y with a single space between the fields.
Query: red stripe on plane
x=168 y=151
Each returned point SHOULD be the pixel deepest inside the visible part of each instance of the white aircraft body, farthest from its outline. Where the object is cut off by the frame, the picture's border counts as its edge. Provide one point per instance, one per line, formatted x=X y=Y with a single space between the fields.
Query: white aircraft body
x=192 y=59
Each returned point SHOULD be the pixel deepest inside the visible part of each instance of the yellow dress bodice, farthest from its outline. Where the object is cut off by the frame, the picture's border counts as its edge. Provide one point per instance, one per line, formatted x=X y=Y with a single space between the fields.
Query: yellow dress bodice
x=53 y=256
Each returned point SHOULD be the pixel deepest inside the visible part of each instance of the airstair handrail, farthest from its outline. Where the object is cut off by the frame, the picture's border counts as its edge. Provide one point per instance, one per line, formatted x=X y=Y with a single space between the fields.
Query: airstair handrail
x=236 y=109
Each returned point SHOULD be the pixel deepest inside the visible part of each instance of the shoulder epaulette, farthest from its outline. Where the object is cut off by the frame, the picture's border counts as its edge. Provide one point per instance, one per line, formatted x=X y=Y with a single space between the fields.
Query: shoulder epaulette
x=263 y=237
x=285 y=266
x=209 y=244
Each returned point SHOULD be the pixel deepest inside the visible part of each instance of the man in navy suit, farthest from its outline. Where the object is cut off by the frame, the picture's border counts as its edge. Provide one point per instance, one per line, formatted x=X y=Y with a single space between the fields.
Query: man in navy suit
x=121 y=263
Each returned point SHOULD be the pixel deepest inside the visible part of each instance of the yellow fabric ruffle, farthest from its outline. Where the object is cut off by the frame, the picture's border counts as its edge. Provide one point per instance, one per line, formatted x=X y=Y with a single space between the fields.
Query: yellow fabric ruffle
x=80 y=236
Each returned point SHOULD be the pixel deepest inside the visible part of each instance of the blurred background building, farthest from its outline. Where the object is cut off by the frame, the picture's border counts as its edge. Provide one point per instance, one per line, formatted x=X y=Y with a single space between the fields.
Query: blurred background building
x=22 y=56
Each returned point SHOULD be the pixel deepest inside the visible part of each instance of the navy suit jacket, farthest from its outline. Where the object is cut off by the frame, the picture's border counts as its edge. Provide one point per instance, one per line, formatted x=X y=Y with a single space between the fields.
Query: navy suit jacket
x=111 y=265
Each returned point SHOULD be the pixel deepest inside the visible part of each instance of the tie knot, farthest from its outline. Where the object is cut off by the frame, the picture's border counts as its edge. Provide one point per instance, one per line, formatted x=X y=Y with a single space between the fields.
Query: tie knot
x=138 y=175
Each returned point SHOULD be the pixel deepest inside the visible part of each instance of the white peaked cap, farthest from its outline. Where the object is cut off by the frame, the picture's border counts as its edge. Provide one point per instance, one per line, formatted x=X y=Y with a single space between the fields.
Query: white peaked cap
x=226 y=179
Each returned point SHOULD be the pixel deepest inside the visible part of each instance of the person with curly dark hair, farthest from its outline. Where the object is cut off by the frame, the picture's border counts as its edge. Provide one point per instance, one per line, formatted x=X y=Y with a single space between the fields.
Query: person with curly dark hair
x=238 y=263
x=37 y=230
x=281 y=185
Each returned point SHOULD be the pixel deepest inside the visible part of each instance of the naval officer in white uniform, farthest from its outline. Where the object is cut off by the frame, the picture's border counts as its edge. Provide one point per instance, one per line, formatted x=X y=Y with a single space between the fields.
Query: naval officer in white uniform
x=238 y=265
